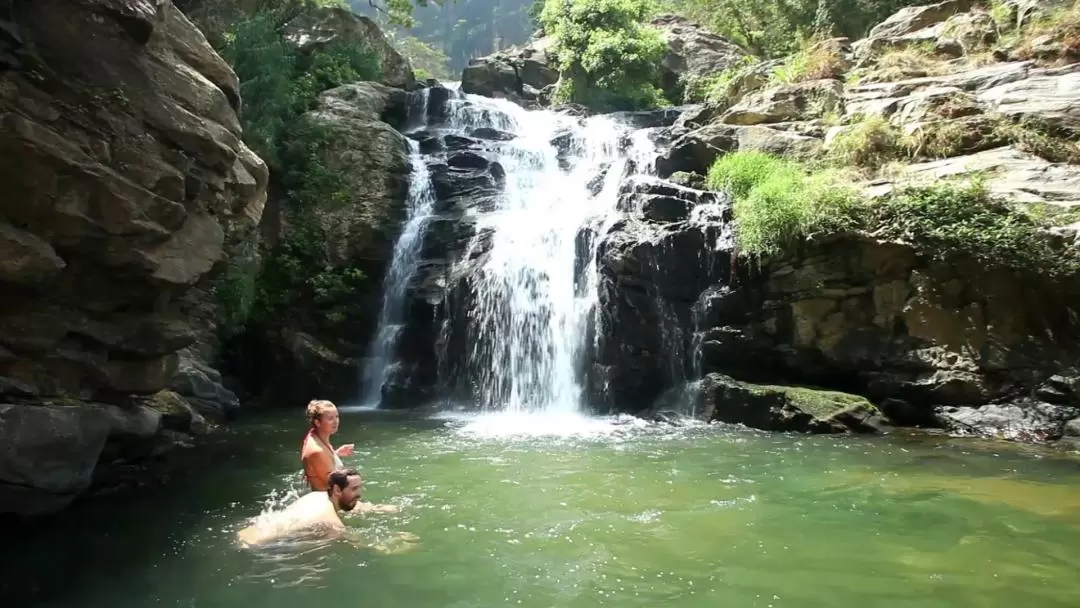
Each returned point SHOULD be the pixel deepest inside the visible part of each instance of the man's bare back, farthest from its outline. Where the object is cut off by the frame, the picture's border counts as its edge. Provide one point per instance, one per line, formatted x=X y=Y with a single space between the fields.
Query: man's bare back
x=313 y=514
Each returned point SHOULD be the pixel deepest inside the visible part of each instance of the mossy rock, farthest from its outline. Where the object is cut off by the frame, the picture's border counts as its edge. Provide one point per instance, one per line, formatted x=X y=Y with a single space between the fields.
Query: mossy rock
x=786 y=408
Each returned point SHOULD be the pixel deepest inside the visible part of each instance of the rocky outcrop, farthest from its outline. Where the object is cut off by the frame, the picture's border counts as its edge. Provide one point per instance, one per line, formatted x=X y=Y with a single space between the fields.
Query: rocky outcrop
x=693 y=52
x=331 y=25
x=523 y=74
x=519 y=74
x=323 y=352
x=124 y=177
x=953 y=345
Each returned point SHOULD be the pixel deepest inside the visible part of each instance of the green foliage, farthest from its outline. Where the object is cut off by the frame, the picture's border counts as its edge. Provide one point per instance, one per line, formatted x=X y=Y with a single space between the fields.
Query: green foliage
x=778 y=204
x=870 y=143
x=279 y=85
x=427 y=61
x=953 y=218
x=607 y=59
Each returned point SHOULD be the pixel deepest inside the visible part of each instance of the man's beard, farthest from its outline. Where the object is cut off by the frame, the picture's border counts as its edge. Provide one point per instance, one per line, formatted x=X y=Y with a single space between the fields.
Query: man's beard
x=348 y=506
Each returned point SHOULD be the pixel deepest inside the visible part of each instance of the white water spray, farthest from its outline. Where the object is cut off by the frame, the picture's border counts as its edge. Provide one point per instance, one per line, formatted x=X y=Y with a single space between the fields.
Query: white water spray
x=395 y=285
x=531 y=308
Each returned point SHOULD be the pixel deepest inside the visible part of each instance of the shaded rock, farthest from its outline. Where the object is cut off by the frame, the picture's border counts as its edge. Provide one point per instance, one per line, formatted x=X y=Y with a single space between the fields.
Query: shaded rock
x=784 y=408
x=331 y=25
x=25 y=258
x=203 y=386
x=125 y=181
x=373 y=157
x=48 y=455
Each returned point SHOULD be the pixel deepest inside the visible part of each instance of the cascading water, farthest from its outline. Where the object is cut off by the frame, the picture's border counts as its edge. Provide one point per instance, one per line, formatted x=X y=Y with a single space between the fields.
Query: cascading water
x=534 y=294
x=380 y=359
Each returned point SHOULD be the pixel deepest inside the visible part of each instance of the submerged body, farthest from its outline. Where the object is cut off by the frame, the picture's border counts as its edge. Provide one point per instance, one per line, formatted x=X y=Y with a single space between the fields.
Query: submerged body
x=315 y=513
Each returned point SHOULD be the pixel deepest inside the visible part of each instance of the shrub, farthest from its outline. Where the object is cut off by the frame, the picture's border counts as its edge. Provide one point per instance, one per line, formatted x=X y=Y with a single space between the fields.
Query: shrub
x=606 y=58
x=870 y=143
x=962 y=219
x=777 y=203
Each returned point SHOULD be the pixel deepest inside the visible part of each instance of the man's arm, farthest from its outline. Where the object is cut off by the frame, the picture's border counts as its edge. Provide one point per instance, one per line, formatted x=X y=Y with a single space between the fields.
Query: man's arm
x=367 y=507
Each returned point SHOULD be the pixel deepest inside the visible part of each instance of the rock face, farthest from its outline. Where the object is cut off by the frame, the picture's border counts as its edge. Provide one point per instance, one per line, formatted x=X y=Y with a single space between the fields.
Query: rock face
x=323 y=356
x=524 y=76
x=518 y=74
x=692 y=52
x=330 y=25
x=124 y=176
x=945 y=345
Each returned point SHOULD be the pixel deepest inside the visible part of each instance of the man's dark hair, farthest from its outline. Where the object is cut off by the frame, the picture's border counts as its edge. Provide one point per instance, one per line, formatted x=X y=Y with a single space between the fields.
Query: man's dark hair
x=340 y=478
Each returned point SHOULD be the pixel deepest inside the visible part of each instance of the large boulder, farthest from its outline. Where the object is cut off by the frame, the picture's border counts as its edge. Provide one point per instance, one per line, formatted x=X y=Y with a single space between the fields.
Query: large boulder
x=124 y=172
x=518 y=73
x=125 y=182
x=332 y=25
x=783 y=408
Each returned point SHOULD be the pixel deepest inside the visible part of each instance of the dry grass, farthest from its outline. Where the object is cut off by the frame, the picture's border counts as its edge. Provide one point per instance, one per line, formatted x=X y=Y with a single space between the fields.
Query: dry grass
x=902 y=64
x=869 y=143
x=818 y=59
x=1054 y=38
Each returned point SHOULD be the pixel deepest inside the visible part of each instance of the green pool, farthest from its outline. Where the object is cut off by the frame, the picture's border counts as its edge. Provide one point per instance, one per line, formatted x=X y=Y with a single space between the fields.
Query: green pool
x=567 y=512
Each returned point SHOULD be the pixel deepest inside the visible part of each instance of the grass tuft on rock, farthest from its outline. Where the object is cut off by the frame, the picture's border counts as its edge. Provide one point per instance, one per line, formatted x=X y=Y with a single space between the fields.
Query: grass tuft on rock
x=777 y=203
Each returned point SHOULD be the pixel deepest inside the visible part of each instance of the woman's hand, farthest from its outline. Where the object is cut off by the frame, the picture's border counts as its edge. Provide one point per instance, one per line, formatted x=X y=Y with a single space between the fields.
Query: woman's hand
x=345 y=450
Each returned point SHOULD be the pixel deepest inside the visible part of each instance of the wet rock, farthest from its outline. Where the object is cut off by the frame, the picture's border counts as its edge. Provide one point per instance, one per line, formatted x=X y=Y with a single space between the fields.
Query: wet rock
x=666 y=209
x=784 y=408
x=491 y=134
x=467 y=160
x=1017 y=421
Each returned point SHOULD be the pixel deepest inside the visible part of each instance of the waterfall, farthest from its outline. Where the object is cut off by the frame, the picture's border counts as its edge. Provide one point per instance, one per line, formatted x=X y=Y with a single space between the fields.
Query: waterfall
x=403 y=264
x=496 y=269
x=533 y=299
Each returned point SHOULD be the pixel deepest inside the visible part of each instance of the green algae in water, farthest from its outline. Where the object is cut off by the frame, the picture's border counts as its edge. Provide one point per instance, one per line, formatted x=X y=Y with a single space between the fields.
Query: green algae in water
x=628 y=516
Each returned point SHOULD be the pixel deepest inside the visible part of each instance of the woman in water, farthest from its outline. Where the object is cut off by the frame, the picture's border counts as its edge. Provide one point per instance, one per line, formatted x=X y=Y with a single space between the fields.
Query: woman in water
x=316 y=454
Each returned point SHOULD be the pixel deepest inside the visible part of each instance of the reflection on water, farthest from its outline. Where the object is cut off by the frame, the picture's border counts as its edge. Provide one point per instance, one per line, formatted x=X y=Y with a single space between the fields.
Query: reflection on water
x=573 y=512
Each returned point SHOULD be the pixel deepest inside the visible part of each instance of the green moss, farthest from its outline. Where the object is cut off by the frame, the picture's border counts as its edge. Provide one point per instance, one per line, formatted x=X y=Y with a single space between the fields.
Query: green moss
x=820 y=404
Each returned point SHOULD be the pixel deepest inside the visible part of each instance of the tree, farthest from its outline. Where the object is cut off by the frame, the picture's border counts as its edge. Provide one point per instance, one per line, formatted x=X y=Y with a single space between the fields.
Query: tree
x=606 y=56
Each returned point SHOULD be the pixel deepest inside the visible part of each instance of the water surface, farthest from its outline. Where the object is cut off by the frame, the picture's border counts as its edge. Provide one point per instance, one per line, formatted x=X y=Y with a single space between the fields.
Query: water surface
x=587 y=514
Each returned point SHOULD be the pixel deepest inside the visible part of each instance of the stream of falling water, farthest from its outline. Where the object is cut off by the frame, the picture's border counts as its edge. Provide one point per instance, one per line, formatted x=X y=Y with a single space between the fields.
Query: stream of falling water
x=535 y=294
